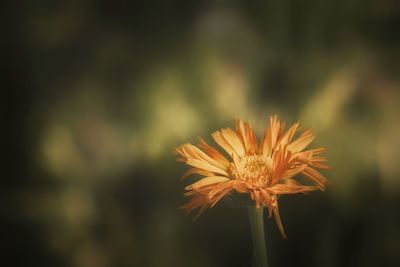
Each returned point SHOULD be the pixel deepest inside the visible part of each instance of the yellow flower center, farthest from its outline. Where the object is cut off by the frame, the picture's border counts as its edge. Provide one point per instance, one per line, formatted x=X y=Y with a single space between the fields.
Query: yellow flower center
x=254 y=169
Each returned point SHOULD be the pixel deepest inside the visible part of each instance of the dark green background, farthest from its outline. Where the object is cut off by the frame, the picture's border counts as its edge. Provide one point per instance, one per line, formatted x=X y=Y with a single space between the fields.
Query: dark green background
x=98 y=93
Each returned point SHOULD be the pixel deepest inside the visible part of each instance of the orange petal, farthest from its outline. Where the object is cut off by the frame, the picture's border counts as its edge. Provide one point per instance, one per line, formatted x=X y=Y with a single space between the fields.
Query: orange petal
x=213 y=153
x=224 y=190
x=266 y=197
x=278 y=220
x=201 y=164
x=240 y=186
x=289 y=134
x=293 y=171
x=280 y=189
x=315 y=177
x=207 y=181
x=323 y=166
x=193 y=152
x=194 y=157
x=196 y=170
x=281 y=160
x=222 y=142
x=233 y=139
x=228 y=185
x=291 y=182
x=277 y=127
x=247 y=136
x=302 y=142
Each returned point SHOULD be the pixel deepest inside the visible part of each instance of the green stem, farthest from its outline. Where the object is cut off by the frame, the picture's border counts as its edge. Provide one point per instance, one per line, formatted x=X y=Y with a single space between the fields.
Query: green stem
x=257 y=232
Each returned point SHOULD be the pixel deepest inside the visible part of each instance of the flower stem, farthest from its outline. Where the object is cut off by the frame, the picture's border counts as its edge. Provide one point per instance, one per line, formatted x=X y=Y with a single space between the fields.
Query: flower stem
x=257 y=232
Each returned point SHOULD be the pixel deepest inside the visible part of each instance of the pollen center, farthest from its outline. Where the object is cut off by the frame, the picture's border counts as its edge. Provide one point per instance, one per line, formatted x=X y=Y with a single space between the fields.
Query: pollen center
x=254 y=169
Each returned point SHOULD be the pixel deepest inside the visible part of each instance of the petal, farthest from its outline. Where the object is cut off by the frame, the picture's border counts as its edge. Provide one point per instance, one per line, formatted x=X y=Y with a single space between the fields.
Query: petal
x=285 y=140
x=221 y=141
x=200 y=197
x=228 y=185
x=229 y=140
x=207 y=181
x=278 y=220
x=240 y=186
x=201 y=164
x=266 y=197
x=196 y=171
x=320 y=166
x=319 y=162
x=294 y=182
x=197 y=158
x=247 y=136
x=293 y=171
x=275 y=127
x=232 y=138
x=219 y=192
x=197 y=201
x=271 y=135
x=291 y=182
x=201 y=155
x=315 y=177
x=213 y=153
x=281 y=189
x=307 y=155
x=281 y=160
x=302 y=142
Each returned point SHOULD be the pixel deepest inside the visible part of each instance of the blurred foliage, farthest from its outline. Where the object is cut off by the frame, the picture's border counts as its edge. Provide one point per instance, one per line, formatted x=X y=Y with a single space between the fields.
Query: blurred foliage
x=105 y=90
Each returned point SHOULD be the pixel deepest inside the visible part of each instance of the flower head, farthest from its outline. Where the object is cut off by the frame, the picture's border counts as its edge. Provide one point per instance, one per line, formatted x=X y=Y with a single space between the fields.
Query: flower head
x=264 y=171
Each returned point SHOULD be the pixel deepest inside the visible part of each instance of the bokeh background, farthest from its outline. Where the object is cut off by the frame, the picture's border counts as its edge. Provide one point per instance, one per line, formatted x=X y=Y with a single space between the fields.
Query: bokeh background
x=98 y=93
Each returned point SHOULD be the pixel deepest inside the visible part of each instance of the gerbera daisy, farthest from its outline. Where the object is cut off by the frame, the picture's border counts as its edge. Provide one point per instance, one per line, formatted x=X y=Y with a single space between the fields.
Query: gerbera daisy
x=264 y=171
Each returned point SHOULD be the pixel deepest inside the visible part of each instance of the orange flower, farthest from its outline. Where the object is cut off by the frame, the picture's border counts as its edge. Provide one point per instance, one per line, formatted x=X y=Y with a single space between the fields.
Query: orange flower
x=265 y=170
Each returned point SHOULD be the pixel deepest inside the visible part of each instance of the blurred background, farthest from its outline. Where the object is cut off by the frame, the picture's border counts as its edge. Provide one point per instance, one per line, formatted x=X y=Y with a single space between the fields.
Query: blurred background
x=99 y=93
